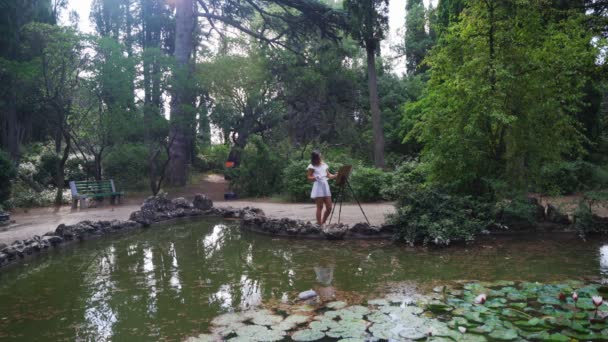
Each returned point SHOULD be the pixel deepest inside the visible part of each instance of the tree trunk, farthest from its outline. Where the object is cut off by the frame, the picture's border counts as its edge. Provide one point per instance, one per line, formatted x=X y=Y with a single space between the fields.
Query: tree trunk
x=12 y=126
x=98 y=166
x=180 y=122
x=378 y=129
x=60 y=171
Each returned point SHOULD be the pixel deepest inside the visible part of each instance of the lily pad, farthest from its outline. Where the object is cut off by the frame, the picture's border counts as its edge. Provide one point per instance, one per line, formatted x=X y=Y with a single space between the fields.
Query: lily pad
x=257 y=333
x=504 y=334
x=265 y=317
x=230 y=318
x=336 y=305
x=308 y=335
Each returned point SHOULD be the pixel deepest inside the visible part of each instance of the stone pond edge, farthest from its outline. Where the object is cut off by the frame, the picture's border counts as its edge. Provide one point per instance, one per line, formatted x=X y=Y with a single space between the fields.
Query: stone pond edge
x=160 y=209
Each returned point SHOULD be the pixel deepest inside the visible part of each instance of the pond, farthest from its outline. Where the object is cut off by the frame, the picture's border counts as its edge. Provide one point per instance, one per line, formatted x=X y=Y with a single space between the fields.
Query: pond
x=169 y=282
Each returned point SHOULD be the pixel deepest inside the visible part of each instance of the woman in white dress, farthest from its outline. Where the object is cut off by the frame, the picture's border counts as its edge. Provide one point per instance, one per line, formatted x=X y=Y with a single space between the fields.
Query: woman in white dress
x=319 y=174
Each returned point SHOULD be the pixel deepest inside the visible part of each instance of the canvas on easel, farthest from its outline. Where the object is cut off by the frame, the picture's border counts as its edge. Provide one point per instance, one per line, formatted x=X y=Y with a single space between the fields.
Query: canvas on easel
x=343 y=174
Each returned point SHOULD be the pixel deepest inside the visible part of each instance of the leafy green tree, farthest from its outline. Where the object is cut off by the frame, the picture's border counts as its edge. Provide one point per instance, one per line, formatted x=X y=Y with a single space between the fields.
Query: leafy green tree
x=103 y=115
x=506 y=82
x=245 y=98
x=418 y=40
x=17 y=122
x=368 y=25
x=58 y=75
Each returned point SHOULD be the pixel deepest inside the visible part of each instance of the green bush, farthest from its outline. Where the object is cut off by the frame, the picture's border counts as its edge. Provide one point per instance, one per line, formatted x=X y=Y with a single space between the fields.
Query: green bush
x=433 y=216
x=520 y=212
x=295 y=184
x=585 y=222
x=401 y=180
x=367 y=183
x=7 y=173
x=568 y=177
x=76 y=170
x=46 y=169
x=127 y=166
x=24 y=196
x=260 y=172
x=212 y=158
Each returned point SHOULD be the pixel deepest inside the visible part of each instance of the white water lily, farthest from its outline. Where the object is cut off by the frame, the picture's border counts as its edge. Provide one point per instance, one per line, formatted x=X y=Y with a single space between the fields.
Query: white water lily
x=597 y=300
x=462 y=330
x=481 y=299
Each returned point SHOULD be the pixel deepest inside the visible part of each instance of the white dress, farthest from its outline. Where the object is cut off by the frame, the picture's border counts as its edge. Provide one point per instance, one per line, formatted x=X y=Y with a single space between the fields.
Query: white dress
x=320 y=187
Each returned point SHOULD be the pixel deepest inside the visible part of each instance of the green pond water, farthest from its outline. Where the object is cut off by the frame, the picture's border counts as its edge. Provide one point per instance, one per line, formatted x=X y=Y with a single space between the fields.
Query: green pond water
x=169 y=282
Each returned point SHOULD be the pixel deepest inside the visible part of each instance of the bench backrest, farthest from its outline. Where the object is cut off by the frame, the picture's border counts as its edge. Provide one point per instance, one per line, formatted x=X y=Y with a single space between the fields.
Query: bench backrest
x=92 y=187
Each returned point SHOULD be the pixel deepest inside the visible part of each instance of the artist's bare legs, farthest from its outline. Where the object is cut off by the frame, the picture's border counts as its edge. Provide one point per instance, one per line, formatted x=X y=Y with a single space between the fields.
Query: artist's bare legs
x=319 y=201
x=327 y=201
x=322 y=216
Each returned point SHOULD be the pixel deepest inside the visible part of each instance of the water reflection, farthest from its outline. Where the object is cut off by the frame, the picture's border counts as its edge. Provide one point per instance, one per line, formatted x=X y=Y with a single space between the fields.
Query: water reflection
x=99 y=314
x=212 y=242
x=223 y=297
x=251 y=293
x=604 y=260
x=325 y=277
x=163 y=284
x=150 y=280
x=174 y=281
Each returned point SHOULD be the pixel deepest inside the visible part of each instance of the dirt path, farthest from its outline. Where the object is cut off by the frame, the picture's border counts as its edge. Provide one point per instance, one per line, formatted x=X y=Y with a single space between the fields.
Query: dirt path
x=41 y=220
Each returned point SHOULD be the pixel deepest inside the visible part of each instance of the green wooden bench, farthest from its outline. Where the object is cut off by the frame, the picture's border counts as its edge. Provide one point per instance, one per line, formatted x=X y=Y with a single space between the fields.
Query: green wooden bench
x=82 y=190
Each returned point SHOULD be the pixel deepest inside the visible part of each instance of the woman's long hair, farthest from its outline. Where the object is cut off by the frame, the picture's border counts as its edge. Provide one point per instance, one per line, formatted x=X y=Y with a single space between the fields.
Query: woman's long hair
x=315 y=158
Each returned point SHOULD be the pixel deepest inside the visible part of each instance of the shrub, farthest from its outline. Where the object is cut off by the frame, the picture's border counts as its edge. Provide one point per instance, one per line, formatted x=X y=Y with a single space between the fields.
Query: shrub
x=568 y=177
x=431 y=215
x=7 y=173
x=75 y=170
x=260 y=172
x=401 y=180
x=585 y=222
x=520 y=212
x=295 y=184
x=46 y=169
x=212 y=158
x=24 y=196
x=367 y=183
x=127 y=165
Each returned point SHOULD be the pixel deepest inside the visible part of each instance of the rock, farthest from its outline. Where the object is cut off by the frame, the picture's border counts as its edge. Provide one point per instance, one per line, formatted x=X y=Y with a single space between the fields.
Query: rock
x=52 y=240
x=388 y=229
x=65 y=232
x=10 y=251
x=181 y=202
x=335 y=231
x=554 y=215
x=229 y=212
x=364 y=229
x=307 y=295
x=202 y=202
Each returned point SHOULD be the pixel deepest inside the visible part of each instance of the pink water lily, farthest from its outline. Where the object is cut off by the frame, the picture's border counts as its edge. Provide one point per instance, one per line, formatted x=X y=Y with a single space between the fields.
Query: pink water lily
x=597 y=300
x=575 y=296
x=481 y=299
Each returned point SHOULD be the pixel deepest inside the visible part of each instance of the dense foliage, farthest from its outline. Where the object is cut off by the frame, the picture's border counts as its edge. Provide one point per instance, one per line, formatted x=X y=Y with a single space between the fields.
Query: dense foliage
x=430 y=215
x=497 y=99
x=7 y=173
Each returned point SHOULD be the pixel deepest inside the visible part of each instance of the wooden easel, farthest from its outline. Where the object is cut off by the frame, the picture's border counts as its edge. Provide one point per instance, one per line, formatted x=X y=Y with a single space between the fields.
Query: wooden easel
x=342 y=182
